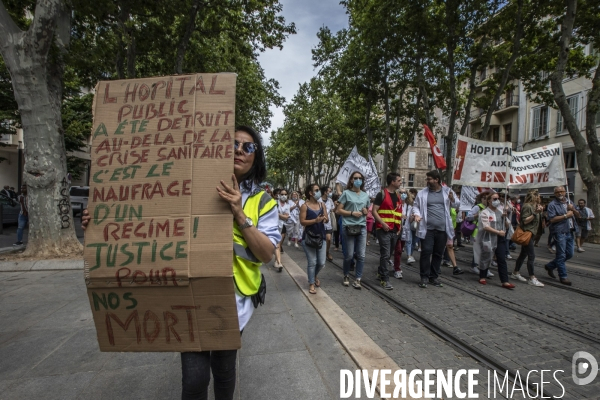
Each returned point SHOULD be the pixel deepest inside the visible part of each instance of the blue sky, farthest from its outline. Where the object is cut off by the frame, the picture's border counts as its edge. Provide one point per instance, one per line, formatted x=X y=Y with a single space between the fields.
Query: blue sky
x=293 y=65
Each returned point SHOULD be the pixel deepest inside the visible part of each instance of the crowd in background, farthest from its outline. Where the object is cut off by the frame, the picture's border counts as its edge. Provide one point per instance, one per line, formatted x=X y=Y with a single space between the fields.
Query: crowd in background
x=406 y=220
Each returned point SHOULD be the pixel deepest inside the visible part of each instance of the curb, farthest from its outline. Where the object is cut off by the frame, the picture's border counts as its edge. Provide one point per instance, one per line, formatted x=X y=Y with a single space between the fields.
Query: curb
x=40 y=265
x=361 y=348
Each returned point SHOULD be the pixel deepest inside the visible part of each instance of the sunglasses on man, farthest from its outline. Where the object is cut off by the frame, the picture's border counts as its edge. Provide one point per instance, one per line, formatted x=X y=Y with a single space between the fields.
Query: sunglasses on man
x=247 y=147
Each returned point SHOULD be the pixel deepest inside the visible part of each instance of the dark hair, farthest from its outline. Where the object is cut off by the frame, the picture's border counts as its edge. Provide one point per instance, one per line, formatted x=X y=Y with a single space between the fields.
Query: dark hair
x=434 y=174
x=284 y=190
x=258 y=171
x=413 y=191
x=391 y=177
x=350 y=185
x=335 y=197
x=276 y=191
x=323 y=189
x=581 y=200
x=308 y=189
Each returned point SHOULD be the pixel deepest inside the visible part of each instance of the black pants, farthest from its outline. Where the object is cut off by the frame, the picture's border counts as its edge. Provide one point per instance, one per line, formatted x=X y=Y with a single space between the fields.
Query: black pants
x=432 y=251
x=500 y=259
x=387 y=244
x=196 y=367
x=529 y=252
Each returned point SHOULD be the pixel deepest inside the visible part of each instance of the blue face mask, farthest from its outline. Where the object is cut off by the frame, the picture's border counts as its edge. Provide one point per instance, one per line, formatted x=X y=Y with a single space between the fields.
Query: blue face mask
x=357 y=183
x=329 y=195
x=403 y=196
x=317 y=194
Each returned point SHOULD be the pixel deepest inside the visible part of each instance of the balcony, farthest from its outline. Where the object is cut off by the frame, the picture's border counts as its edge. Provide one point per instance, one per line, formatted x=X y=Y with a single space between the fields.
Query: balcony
x=508 y=103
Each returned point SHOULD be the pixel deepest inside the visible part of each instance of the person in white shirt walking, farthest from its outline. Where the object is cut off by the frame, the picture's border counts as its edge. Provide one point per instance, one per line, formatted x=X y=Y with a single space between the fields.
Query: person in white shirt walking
x=326 y=199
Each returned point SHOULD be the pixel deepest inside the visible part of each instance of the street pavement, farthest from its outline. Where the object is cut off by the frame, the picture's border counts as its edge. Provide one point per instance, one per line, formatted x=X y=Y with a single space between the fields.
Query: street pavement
x=506 y=335
x=49 y=350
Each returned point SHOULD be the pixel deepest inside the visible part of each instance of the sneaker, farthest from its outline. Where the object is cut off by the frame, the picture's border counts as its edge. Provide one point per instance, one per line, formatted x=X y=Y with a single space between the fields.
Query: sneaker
x=410 y=260
x=580 y=249
x=289 y=243
x=277 y=266
x=346 y=281
x=446 y=263
x=519 y=277
x=483 y=281
x=535 y=282
x=550 y=272
x=384 y=284
x=489 y=274
x=423 y=284
x=390 y=263
x=457 y=271
x=18 y=244
x=509 y=257
x=436 y=283
x=494 y=264
x=356 y=284
x=296 y=245
x=376 y=241
x=513 y=248
x=398 y=274
x=475 y=270
x=552 y=249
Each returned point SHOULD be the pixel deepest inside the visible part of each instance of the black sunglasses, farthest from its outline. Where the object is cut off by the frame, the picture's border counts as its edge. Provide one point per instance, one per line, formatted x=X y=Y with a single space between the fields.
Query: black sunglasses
x=356 y=177
x=247 y=147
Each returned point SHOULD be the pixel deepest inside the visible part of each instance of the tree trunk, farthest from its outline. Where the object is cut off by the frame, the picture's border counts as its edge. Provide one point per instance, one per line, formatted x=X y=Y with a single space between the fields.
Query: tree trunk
x=506 y=73
x=368 y=127
x=386 y=143
x=185 y=39
x=590 y=172
x=51 y=227
x=593 y=108
x=451 y=10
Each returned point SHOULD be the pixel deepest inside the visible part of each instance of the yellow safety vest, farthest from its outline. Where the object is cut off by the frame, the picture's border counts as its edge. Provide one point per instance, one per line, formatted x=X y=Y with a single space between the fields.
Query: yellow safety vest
x=388 y=214
x=246 y=267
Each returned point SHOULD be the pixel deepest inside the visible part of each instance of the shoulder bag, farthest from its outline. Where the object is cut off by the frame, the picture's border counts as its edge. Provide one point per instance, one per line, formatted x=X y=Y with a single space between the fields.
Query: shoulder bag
x=313 y=239
x=520 y=236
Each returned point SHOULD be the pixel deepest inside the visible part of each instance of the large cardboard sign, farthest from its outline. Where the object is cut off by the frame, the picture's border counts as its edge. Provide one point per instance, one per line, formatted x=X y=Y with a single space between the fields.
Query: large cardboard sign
x=158 y=250
x=356 y=162
x=494 y=164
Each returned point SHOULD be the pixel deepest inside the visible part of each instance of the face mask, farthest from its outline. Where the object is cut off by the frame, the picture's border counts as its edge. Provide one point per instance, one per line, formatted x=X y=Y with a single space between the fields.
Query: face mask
x=330 y=195
x=518 y=201
x=357 y=183
x=283 y=198
x=403 y=196
x=317 y=194
x=495 y=203
x=294 y=198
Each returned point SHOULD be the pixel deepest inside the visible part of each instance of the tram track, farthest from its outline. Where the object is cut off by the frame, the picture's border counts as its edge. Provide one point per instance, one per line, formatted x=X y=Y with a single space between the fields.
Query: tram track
x=547 y=319
x=552 y=283
x=478 y=355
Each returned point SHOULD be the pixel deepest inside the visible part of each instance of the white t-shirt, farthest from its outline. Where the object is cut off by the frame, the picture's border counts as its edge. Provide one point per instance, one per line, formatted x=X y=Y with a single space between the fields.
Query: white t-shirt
x=329 y=205
x=285 y=209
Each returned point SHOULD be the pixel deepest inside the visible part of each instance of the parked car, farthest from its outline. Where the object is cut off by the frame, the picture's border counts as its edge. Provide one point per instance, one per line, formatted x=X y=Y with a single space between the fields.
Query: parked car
x=10 y=210
x=79 y=198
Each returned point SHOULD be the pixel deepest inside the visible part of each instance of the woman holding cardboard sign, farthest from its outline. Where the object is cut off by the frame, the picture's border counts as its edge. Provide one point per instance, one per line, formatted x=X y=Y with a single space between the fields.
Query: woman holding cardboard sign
x=255 y=236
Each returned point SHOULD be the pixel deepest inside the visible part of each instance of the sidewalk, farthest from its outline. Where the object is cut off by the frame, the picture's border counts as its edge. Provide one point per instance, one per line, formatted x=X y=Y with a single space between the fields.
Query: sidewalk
x=48 y=346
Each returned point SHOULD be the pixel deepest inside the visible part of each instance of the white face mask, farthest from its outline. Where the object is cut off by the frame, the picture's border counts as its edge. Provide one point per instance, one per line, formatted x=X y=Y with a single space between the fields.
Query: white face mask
x=283 y=197
x=495 y=203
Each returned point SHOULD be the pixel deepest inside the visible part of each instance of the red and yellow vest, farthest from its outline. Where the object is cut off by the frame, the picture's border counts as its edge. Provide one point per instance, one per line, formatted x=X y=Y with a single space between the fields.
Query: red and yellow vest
x=390 y=215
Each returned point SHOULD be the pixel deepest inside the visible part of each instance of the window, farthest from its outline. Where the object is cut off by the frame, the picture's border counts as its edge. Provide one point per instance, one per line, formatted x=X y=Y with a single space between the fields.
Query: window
x=411 y=180
x=561 y=124
x=412 y=156
x=508 y=133
x=509 y=98
x=429 y=161
x=569 y=156
x=483 y=75
x=496 y=134
x=540 y=122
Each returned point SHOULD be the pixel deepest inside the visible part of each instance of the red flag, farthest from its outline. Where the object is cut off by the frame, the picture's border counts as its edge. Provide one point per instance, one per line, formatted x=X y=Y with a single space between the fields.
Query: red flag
x=438 y=157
